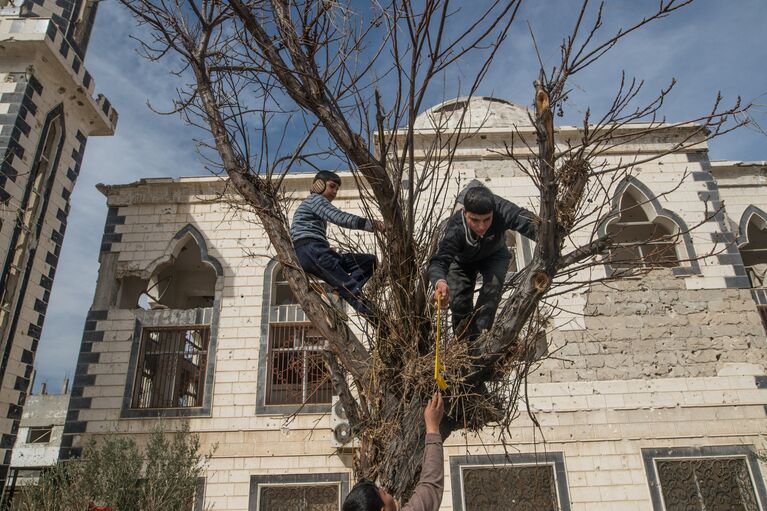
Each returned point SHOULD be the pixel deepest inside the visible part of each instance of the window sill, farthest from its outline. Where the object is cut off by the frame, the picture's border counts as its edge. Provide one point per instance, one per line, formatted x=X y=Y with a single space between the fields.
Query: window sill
x=292 y=409
x=147 y=413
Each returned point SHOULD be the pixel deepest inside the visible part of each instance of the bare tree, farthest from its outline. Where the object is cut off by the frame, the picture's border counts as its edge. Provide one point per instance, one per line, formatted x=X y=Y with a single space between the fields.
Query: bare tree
x=315 y=83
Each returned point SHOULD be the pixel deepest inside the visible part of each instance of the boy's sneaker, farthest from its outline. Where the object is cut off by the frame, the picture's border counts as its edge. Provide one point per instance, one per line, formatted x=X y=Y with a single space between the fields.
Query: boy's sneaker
x=337 y=304
x=333 y=301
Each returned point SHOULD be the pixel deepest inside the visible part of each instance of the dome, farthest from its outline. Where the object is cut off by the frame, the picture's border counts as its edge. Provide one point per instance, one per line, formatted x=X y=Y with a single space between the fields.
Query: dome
x=481 y=112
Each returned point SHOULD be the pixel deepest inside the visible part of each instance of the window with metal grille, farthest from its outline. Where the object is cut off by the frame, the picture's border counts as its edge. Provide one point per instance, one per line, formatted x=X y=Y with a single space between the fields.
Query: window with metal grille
x=514 y=488
x=298 y=373
x=39 y=435
x=702 y=484
x=296 y=369
x=641 y=241
x=171 y=367
x=519 y=482
x=299 y=497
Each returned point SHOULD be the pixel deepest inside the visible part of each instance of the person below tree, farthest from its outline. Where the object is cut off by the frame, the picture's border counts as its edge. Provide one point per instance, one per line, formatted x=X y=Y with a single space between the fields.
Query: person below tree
x=427 y=496
x=475 y=243
x=346 y=273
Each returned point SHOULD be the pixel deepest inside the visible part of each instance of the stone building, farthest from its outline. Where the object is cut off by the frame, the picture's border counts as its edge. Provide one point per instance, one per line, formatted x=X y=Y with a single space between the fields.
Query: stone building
x=38 y=441
x=654 y=398
x=47 y=113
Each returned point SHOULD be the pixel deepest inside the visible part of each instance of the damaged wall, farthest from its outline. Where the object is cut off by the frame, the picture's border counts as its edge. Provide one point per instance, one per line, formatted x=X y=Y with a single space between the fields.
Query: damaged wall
x=654 y=327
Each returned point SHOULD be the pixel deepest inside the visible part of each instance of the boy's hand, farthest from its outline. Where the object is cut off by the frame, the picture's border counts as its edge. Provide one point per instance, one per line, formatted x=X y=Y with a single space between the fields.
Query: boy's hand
x=433 y=413
x=442 y=292
x=379 y=226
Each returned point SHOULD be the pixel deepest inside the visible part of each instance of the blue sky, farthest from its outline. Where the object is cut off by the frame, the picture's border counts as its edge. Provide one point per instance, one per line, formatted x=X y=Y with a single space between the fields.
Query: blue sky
x=708 y=47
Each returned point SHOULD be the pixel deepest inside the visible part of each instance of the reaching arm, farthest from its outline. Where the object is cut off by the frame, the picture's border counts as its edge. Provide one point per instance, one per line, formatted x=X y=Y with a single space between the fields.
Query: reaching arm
x=517 y=219
x=325 y=210
x=427 y=495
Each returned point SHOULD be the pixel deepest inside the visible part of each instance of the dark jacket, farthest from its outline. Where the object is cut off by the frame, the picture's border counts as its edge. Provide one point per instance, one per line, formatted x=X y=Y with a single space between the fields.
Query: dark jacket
x=459 y=243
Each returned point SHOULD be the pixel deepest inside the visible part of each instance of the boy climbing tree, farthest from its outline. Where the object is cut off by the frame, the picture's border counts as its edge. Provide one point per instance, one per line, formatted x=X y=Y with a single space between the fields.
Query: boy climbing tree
x=475 y=243
x=346 y=273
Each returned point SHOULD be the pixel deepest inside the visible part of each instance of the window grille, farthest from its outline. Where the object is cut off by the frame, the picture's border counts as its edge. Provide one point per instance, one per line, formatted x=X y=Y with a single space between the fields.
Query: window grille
x=298 y=498
x=39 y=435
x=515 y=488
x=171 y=367
x=703 y=484
x=296 y=369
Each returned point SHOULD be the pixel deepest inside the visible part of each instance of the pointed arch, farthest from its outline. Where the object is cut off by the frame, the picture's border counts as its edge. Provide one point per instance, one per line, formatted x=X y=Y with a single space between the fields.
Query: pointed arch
x=752 y=243
x=17 y=268
x=178 y=279
x=178 y=242
x=750 y=212
x=160 y=383
x=653 y=235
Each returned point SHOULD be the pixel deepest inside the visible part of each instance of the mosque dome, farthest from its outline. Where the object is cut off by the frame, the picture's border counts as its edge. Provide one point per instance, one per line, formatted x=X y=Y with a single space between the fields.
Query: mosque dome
x=480 y=112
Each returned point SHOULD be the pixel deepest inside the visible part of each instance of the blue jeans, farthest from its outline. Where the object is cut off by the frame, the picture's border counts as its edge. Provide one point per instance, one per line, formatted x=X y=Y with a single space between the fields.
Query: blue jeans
x=345 y=273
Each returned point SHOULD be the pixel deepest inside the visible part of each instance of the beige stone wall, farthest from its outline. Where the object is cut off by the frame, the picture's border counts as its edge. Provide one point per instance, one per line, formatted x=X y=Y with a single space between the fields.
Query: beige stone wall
x=741 y=184
x=654 y=327
x=657 y=361
x=601 y=428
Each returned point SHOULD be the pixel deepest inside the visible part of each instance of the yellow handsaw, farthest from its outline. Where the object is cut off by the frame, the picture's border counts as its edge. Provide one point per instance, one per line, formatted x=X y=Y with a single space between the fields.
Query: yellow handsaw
x=441 y=383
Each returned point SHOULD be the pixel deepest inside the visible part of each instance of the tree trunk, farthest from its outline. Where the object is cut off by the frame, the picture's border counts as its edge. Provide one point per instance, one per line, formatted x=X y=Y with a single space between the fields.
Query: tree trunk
x=400 y=458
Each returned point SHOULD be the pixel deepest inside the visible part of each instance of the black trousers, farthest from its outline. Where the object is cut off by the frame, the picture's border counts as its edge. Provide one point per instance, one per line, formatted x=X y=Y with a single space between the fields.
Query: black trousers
x=470 y=319
x=345 y=273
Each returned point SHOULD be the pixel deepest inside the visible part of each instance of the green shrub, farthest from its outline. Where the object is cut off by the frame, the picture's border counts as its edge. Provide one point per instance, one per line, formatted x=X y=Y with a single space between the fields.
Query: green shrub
x=114 y=472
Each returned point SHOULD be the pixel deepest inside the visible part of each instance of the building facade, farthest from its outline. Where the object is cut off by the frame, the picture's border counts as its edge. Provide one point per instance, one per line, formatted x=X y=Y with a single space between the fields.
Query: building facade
x=47 y=113
x=38 y=441
x=653 y=396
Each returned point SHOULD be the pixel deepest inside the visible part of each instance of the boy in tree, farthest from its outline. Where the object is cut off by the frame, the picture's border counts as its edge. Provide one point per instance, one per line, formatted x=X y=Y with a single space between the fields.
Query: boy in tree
x=345 y=273
x=475 y=243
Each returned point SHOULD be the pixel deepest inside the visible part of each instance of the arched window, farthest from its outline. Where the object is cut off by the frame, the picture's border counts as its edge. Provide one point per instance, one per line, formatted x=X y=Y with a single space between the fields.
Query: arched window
x=83 y=23
x=754 y=250
x=643 y=237
x=296 y=370
x=185 y=282
x=31 y=214
x=174 y=357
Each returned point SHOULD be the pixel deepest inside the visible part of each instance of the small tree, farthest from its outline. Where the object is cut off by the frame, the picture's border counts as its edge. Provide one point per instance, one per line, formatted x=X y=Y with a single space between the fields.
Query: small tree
x=114 y=472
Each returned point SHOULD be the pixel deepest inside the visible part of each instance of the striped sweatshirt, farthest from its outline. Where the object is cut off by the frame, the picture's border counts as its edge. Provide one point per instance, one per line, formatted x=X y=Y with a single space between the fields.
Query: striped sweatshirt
x=312 y=216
